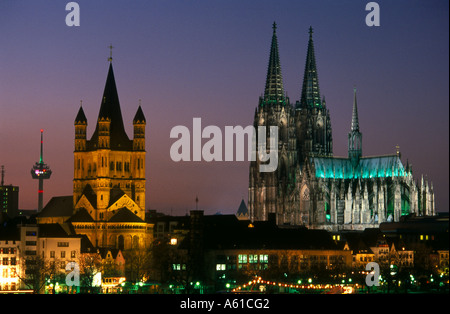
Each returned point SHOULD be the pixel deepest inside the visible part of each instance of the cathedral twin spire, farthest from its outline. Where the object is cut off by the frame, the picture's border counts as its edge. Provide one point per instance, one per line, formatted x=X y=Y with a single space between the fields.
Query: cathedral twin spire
x=274 y=91
x=310 y=90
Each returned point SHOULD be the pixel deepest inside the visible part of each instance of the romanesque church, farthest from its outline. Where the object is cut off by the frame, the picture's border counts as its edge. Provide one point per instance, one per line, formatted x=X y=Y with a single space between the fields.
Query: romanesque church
x=108 y=201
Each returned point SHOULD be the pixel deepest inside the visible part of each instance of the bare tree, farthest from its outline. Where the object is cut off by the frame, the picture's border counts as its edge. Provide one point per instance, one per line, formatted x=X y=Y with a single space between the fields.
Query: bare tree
x=90 y=265
x=36 y=272
x=138 y=264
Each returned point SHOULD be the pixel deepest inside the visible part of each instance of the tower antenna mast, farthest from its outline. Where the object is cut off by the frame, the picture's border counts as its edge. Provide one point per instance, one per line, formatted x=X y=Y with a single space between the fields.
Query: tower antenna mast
x=41 y=172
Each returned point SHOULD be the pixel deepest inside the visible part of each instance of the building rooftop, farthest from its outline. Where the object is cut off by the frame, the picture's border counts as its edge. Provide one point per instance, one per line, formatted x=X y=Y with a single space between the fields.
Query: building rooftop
x=368 y=167
x=58 y=206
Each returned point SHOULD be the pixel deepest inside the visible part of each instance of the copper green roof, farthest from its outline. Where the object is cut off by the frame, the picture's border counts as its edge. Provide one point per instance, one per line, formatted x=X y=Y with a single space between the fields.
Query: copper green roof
x=368 y=167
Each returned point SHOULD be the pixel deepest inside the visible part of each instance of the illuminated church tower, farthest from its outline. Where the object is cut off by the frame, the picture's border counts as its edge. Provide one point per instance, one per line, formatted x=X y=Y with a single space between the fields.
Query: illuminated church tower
x=110 y=159
x=109 y=175
x=272 y=192
x=312 y=116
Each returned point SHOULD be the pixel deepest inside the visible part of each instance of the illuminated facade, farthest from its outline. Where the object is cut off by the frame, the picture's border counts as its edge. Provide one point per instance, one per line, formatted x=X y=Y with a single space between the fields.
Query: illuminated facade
x=9 y=265
x=310 y=186
x=109 y=177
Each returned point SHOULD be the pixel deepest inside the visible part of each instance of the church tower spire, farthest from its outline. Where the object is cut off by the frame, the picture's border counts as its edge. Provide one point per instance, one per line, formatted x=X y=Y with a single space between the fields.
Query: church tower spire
x=314 y=132
x=110 y=161
x=354 y=136
x=355 y=122
x=274 y=91
x=110 y=122
x=310 y=90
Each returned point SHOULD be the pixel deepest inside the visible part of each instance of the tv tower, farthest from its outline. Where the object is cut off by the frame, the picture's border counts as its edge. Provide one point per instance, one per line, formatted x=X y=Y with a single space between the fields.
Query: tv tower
x=41 y=172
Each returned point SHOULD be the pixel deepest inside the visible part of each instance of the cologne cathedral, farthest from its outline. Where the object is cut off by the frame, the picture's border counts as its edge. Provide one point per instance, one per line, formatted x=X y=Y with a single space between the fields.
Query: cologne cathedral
x=313 y=188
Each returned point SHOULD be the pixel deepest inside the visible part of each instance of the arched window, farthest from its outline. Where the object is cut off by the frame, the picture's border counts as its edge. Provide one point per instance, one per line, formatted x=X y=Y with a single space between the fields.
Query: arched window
x=121 y=243
x=135 y=243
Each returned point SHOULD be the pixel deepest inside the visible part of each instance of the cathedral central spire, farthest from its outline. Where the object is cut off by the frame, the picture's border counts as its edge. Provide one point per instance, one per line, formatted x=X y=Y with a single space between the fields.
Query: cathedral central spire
x=274 y=91
x=355 y=122
x=310 y=90
x=354 y=136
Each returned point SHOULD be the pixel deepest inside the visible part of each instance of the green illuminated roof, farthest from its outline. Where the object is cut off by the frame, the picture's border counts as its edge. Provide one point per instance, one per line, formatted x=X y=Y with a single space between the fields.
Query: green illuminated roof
x=368 y=167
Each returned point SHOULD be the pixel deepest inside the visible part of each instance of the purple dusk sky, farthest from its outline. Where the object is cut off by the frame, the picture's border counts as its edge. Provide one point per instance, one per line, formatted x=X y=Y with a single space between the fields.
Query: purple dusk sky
x=208 y=59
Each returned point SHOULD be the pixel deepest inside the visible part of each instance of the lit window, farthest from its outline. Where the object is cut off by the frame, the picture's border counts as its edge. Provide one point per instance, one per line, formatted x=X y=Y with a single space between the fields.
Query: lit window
x=253 y=258
x=176 y=266
x=220 y=267
x=263 y=258
x=173 y=241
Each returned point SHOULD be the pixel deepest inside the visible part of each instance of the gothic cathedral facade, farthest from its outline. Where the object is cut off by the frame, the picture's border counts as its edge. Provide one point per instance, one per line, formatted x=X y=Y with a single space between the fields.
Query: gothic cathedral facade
x=310 y=186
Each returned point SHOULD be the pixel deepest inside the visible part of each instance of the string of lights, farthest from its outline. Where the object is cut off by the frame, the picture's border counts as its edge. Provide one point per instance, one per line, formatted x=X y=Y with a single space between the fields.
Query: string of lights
x=258 y=281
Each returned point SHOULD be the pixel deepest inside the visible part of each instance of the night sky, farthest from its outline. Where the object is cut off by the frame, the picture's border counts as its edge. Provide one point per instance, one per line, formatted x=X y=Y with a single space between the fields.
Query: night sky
x=208 y=59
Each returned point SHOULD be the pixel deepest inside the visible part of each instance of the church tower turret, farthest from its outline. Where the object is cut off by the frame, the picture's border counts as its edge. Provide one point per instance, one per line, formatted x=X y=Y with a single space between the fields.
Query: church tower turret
x=139 y=130
x=138 y=158
x=80 y=130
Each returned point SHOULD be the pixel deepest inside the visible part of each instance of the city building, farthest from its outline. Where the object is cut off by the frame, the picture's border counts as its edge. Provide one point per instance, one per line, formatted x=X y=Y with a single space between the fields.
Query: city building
x=9 y=262
x=108 y=201
x=113 y=262
x=33 y=258
x=9 y=200
x=310 y=186
x=221 y=250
